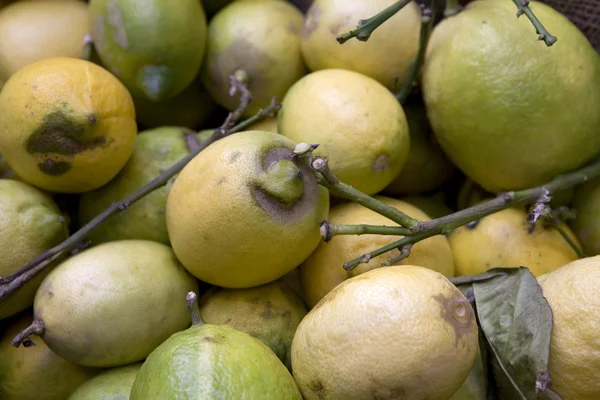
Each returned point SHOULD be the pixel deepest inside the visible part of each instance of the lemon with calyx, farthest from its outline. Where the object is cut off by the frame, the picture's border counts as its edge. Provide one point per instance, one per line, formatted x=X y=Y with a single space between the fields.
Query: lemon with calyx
x=157 y=53
x=36 y=372
x=209 y=361
x=271 y=313
x=359 y=125
x=386 y=56
x=35 y=30
x=509 y=133
x=401 y=332
x=112 y=384
x=323 y=269
x=245 y=211
x=66 y=125
x=31 y=223
x=260 y=37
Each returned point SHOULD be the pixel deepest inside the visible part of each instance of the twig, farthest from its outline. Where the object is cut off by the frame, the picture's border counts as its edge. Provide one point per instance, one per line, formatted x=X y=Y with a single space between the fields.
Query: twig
x=13 y=282
x=452 y=8
x=404 y=253
x=446 y=224
x=88 y=47
x=523 y=8
x=330 y=181
x=329 y=230
x=192 y=304
x=570 y=241
x=365 y=27
x=36 y=328
x=415 y=65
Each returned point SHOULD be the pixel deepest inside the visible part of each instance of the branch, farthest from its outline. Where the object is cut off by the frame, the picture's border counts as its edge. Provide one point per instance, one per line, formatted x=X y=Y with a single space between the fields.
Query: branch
x=445 y=225
x=13 y=282
x=523 y=8
x=415 y=65
x=331 y=182
x=365 y=27
x=329 y=230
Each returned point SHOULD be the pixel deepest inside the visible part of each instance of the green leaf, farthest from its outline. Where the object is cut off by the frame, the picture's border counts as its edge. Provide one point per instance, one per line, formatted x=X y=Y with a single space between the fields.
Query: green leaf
x=516 y=321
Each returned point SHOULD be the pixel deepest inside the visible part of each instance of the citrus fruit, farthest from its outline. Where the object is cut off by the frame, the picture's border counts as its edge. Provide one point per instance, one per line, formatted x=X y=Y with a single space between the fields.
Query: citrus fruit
x=66 y=125
x=506 y=239
x=30 y=223
x=322 y=270
x=260 y=37
x=238 y=204
x=156 y=150
x=359 y=125
x=572 y=293
x=112 y=384
x=267 y=124
x=586 y=224
x=386 y=56
x=157 y=53
x=35 y=30
x=219 y=362
x=426 y=167
x=36 y=373
x=509 y=132
x=190 y=108
x=271 y=313
x=114 y=303
x=397 y=332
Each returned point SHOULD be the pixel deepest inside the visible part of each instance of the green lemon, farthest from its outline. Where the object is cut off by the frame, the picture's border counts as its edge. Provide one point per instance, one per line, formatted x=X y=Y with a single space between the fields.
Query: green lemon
x=156 y=150
x=496 y=95
x=30 y=223
x=586 y=225
x=155 y=47
x=210 y=361
x=112 y=384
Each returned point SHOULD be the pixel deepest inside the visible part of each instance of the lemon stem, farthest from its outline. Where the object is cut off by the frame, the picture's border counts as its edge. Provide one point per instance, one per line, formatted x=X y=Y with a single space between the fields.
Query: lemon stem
x=523 y=8
x=192 y=303
x=36 y=328
x=283 y=181
x=329 y=230
x=427 y=18
x=365 y=27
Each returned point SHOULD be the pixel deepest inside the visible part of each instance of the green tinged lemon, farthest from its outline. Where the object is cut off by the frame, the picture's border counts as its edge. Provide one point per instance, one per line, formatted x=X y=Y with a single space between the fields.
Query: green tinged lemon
x=112 y=384
x=156 y=53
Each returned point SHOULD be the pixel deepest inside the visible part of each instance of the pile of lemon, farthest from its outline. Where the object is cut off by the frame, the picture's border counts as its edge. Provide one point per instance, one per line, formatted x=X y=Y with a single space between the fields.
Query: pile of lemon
x=219 y=285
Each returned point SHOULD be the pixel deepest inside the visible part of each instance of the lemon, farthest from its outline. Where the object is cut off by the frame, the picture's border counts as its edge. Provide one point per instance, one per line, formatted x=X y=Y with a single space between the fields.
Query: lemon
x=323 y=271
x=36 y=373
x=509 y=133
x=114 y=303
x=572 y=293
x=260 y=37
x=359 y=125
x=426 y=168
x=209 y=361
x=397 y=332
x=30 y=223
x=271 y=313
x=586 y=224
x=267 y=124
x=156 y=150
x=156 y=53
x=66 y=125
x=244 y=212
x=35 y=30
x=386 y=56
x=112 y=384
x=506 y=239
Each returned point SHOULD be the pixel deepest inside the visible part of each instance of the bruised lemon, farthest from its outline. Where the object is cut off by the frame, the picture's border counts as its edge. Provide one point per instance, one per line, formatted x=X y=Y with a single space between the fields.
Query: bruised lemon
x=66 y=125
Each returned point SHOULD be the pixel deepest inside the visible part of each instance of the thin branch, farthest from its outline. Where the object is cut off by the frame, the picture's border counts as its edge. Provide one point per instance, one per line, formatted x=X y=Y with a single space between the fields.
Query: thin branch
x=570 y=241
x=365 y=27
x=192 y=304
x=36 y=328
x=412 y=78
x=329 y=230
x=88 y=47
x=523 y=8
x=10 y=284
x=404 y=253
x=335 y=186
x=446 y=224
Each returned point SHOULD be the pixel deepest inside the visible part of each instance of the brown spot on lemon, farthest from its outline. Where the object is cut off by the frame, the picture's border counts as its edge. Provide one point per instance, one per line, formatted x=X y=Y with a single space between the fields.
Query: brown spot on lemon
x=457 y=312
x=55 y=168
x=382 y=162
x=268 y=310
x=335 y=28
x=318 y=389
x=311 y=22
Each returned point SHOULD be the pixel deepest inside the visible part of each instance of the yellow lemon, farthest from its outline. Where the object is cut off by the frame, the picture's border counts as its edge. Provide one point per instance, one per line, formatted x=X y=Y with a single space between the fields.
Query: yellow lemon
x=35 y=30
x=359 y=125
x=572 y=293
x=323 y=270
x=506 y=239
x=66 y=125
x=401 y=332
